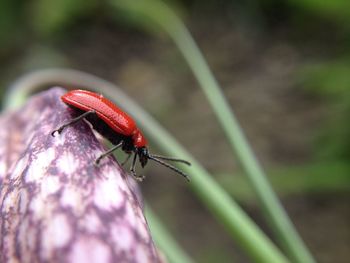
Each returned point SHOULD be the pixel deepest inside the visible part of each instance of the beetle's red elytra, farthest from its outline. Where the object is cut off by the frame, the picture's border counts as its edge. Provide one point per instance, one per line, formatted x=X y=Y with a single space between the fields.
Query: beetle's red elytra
x=116 y=126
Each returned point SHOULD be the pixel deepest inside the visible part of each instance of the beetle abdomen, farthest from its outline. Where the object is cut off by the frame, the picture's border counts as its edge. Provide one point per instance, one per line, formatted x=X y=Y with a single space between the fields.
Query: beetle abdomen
x=114 y=117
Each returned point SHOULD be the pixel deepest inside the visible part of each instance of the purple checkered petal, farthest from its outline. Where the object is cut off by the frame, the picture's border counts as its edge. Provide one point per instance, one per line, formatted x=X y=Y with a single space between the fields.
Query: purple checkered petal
x=56 y=206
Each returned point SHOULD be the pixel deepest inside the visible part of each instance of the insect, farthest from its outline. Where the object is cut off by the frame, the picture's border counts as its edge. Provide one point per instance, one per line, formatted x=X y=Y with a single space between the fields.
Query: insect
x=116 y=126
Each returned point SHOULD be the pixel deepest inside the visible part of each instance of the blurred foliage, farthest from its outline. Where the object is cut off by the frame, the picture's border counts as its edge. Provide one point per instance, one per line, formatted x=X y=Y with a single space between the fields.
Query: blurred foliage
x=11 y=16
x=21 y=19
x=24 y=24
x=50 y=16
x=331 y=82
x=336 y=10
x=316 y=178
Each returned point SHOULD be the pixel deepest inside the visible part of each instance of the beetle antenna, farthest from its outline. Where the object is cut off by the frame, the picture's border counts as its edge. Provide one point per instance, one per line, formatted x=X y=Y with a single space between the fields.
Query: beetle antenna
x=169 y=166
x=170 y=159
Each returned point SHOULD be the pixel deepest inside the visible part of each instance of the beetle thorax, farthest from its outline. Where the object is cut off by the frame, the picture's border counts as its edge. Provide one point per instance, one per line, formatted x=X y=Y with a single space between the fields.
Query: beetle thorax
x=138 y=139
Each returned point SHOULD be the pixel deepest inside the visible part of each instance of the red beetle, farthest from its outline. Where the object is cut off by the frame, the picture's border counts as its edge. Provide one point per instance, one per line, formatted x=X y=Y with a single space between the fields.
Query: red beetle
x=116 y=126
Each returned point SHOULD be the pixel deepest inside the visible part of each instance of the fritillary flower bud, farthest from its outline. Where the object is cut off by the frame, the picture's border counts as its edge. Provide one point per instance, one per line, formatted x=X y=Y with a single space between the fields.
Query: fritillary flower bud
x=56 y=206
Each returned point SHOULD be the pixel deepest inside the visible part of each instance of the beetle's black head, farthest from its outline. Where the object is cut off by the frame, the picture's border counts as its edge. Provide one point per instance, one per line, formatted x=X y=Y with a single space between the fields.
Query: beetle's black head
x=143 y=155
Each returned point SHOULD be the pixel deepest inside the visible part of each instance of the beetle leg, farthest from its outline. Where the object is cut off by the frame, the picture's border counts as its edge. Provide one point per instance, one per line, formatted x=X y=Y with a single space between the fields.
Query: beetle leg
x=97 y=161
x=72 y=121
x=132 y=169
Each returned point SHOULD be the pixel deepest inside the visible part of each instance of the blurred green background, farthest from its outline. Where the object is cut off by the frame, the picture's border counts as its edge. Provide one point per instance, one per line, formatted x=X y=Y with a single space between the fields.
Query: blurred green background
x=284 y=67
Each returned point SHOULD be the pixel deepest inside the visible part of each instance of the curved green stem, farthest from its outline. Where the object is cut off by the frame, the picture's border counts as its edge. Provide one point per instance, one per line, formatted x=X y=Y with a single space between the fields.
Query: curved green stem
x=163 y=16
x=248 y=235
x=164 y=240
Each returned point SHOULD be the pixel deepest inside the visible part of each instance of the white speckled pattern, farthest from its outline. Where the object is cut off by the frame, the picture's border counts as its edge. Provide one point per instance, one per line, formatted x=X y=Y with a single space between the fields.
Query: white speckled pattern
x=56 y=206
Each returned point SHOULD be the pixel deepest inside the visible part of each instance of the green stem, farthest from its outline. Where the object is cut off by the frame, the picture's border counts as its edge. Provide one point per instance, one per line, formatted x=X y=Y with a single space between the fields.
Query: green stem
x=279 y=221
x=164 y=240
x=293 y=180
x=277 y=217
x=257 y=245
